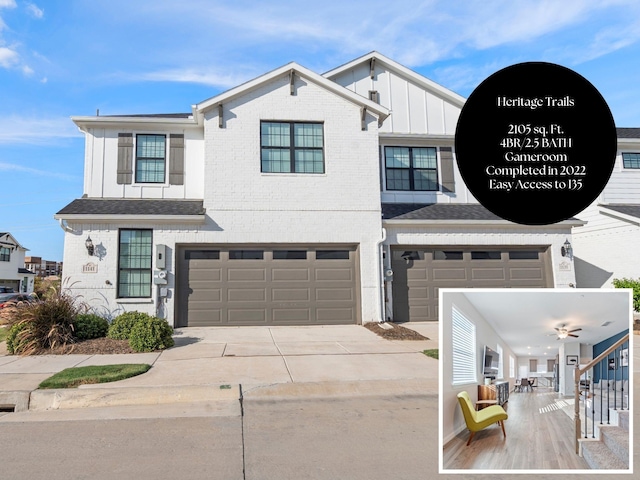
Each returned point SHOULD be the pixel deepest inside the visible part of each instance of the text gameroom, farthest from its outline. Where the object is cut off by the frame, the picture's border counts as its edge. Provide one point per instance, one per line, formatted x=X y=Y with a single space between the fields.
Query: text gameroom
x=535 y=143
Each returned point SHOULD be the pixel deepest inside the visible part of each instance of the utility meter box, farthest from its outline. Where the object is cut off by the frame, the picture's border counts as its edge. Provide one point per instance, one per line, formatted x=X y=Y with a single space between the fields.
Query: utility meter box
x=160 y=277
x=161 y=254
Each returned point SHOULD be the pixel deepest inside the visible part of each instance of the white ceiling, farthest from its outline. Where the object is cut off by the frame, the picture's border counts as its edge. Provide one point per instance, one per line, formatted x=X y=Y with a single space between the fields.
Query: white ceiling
x=524 y=318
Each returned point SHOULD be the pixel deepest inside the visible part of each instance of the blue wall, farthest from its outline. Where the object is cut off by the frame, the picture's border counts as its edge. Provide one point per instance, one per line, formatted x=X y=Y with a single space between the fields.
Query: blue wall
x=620 y=373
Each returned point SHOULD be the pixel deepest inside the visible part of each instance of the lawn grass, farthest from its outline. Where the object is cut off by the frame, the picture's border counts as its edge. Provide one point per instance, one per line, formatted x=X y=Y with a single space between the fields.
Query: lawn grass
x=4 y=331
x=433 y=353
x=72 y=377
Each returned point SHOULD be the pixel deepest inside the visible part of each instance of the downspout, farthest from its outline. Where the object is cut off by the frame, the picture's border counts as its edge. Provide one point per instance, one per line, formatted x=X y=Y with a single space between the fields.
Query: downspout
x=381 y=306
x=64 y=226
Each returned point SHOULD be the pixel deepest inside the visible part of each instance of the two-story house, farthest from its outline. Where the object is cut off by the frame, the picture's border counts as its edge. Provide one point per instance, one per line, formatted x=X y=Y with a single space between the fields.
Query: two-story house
x=12 y=272
x=605 y=245
x=295 y=198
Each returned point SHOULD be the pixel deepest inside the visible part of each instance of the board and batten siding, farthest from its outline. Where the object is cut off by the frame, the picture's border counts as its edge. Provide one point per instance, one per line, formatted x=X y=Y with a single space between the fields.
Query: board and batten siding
x=110 y=164
x=414 y=108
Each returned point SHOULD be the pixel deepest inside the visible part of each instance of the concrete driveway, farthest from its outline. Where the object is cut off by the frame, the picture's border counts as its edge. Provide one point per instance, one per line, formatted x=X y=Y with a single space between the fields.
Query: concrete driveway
x=268 y=359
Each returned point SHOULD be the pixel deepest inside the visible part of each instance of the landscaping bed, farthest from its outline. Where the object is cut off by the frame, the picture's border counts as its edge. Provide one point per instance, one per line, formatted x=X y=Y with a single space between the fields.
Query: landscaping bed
x=94 y=346
x=396 y=332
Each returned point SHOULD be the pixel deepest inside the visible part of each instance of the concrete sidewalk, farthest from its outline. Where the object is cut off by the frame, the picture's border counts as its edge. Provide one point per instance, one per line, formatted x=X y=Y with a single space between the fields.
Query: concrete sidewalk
x=207 y=364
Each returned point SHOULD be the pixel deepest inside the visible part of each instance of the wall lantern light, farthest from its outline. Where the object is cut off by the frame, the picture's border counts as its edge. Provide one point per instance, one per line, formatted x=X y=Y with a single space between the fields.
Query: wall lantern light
x=89 y=244
x=566 y=249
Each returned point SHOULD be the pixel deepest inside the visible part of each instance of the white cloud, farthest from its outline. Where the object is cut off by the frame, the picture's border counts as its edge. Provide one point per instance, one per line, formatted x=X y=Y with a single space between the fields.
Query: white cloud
x=36 y=130
x=7 y=4
x=194 y=75
x=35 y=11
x=8 y=58
x=12 y=167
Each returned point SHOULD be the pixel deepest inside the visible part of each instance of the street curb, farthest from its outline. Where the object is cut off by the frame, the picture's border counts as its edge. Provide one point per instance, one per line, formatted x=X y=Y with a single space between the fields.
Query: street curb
x=349 y=389
x=110 y=397
x=18 y=400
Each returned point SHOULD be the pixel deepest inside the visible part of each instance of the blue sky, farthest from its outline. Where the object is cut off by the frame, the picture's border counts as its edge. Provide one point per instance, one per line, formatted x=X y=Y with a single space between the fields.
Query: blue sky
x=64 y=58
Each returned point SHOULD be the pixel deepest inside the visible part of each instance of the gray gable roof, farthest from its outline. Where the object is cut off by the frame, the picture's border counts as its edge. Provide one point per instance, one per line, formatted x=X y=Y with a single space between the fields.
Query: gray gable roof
x=111 y=206
x=627 y=209
x=436 y=211
x=628 y=132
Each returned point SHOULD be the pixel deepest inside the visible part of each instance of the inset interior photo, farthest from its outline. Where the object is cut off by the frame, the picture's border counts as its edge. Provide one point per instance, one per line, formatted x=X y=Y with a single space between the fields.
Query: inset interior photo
x=535 y=380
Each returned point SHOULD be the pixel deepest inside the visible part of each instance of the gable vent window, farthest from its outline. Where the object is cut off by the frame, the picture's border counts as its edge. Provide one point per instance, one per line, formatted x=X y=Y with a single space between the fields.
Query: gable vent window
x=464 y=349
x=411 y=168
x=150 y=158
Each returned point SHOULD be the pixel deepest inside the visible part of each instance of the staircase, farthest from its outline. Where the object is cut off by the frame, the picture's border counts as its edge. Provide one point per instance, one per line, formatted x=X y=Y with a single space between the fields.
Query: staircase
x=611 y=450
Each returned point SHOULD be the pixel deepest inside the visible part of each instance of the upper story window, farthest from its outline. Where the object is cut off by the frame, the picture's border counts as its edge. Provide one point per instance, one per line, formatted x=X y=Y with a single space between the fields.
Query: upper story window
x=292 y=147
x=5 y=254
x=150 y=158
x=411 y=168
x=631 y=160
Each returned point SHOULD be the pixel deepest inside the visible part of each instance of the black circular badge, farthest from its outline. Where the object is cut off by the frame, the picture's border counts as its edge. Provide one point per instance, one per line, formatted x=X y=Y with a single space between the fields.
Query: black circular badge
x=535 y=143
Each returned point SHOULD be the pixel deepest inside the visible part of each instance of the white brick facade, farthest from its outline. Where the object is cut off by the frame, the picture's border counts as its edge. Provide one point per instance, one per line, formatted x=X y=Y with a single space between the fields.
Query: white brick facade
x=244 y=206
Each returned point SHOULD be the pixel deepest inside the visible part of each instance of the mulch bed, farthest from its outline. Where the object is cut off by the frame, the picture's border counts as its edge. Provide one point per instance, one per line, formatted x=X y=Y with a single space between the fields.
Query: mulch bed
x=397 y=332
x=95 y=346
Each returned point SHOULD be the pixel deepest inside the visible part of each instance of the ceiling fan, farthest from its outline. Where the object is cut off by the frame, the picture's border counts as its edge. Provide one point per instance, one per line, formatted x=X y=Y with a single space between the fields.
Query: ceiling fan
x=563 y=333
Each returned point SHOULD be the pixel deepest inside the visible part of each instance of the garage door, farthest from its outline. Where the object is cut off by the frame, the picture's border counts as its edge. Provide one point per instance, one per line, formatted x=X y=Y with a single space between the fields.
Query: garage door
x=267 y=286
x=419 y=272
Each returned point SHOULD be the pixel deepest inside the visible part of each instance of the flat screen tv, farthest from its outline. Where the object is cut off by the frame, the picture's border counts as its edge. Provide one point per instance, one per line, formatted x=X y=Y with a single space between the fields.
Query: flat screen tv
x=491 y=362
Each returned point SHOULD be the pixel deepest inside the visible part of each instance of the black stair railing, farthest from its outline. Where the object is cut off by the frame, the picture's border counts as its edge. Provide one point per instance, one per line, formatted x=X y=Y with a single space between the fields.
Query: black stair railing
x=615 y=362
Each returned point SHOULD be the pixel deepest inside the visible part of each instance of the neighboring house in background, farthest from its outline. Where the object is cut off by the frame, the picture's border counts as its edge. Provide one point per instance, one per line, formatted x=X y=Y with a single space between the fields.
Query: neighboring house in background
x=605 y=247
x=294 y=198
x=43 y=268
x=12 y=271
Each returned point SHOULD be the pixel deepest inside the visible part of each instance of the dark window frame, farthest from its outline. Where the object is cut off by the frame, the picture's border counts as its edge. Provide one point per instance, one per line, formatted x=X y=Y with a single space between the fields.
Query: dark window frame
x=631 y=163
x=246 y=254
x=139 y=159
x=411 y=169
x=5 y=254
x=122 y=269
x=291 y=148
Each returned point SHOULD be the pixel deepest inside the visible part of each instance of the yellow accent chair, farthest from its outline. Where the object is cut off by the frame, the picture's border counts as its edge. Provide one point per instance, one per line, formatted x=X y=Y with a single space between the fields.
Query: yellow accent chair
x=480 y=420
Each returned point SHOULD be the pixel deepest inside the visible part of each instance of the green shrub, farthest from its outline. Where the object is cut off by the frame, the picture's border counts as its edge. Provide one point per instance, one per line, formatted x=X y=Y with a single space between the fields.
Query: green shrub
x=46 y=324
x=151 y=334
x=630 y=283
x=90 y=325
x=120 y=328
x=13 y=343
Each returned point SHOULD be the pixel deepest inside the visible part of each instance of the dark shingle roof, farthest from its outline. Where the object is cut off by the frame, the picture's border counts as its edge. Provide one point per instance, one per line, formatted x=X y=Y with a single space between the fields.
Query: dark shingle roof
x=628 y=132
x=111 y=206
x=24 y=270
x=627 y=209
x=436 y=211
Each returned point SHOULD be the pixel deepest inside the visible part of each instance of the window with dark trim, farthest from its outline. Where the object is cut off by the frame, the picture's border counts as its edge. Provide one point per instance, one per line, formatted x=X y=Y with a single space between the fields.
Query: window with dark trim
x=332 y=254
x=631 y=160
x=486 y=255
x=202 y=255
x=447 y=255
x=411 y=168
x=291 y=147
x=246 y=254
x=135 y=255
x=524 y=255
x=5 y=254
x=150 y=158
x=289 y=254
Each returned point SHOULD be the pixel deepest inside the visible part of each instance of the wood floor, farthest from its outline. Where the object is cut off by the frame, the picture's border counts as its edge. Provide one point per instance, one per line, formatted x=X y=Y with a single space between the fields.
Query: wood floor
x=539 y=437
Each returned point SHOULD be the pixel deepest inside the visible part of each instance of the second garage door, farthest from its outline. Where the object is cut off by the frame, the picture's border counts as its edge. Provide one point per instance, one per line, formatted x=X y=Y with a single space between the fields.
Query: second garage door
x=267 y=286
x=418 y=273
